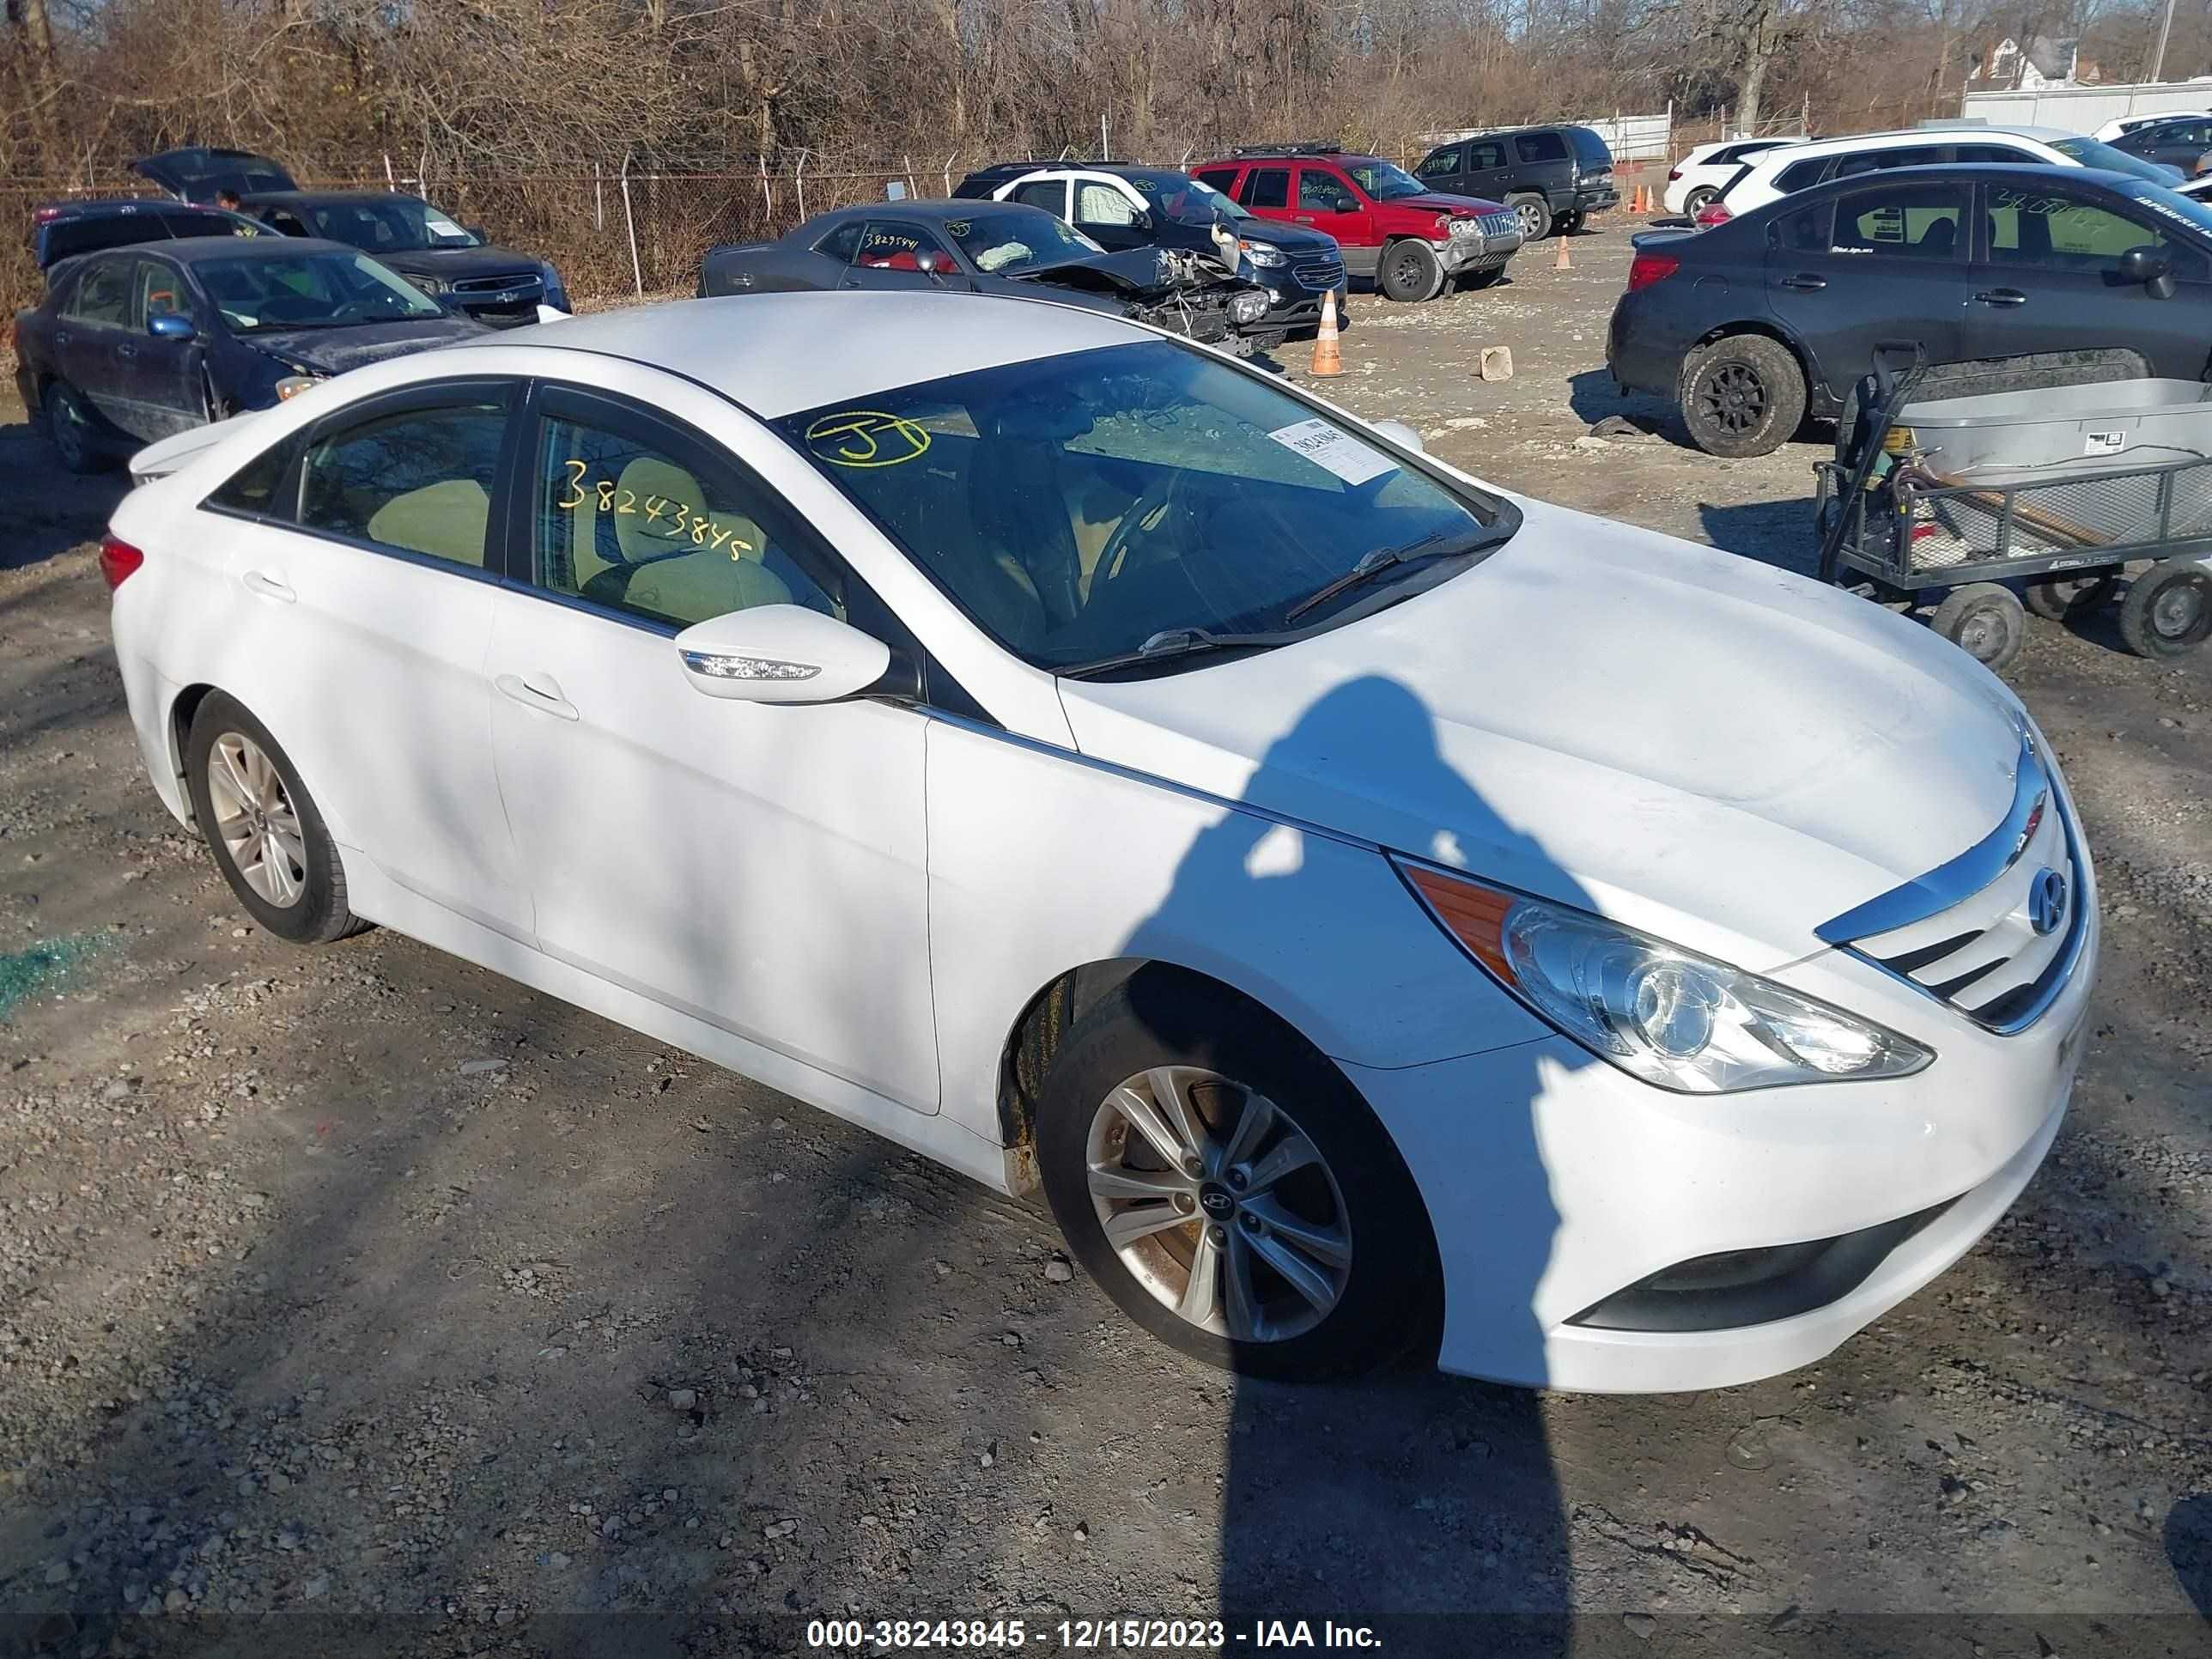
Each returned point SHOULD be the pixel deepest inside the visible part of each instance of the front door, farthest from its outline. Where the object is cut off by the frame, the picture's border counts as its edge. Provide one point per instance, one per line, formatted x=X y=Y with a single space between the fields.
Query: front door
x=1327 y=202
x=1109 y=217
x=2047 y=278
x=360 y=635
x=1443 y=170
x=759 y=867
x=889 y=257
x=1884 y=262
x=166 y=381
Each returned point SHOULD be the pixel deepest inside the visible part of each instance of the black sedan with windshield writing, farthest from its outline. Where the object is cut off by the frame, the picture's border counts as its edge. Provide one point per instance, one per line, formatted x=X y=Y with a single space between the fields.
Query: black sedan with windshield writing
x=139 y=343
x=1757 y=323
x=1001 y=248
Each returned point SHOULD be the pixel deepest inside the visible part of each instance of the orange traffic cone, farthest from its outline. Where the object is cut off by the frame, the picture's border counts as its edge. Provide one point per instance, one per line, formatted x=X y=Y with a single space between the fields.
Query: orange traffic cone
x=1328 y=356
x=1561 y=262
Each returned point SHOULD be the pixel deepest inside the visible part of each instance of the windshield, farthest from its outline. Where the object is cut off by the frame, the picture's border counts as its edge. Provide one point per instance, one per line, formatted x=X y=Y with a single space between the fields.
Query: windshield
x=2091 y=154
x=1079 y=507
x=310 y=290
x=1384 y=182
x=1186 y=200
x=1029 y=239
x=387 y=224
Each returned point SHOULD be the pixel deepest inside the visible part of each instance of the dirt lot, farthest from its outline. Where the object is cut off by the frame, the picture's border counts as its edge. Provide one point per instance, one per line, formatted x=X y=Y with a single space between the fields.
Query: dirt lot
x=356 y=1302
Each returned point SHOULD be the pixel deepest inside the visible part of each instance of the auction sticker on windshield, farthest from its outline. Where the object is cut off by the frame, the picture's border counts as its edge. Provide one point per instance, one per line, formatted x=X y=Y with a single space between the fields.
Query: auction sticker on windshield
x=1326 y=447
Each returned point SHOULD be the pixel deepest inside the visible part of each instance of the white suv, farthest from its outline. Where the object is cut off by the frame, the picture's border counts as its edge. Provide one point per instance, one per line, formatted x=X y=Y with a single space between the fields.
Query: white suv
x=1700 y=176
x=1770 y=176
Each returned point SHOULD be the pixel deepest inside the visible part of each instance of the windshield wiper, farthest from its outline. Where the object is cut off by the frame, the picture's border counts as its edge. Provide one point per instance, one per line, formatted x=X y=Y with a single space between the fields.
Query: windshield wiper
x=1374 y=564
x=1171 y=642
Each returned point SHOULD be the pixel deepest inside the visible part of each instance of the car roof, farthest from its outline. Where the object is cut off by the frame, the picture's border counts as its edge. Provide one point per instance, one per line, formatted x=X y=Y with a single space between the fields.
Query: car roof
x=192 y=250
x=931 y=211
x=776 y=354
x=309 y=197
x=60 y=212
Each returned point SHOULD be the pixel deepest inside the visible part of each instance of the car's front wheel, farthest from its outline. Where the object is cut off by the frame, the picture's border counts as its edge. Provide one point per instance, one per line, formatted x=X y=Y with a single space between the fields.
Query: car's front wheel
x=1229 y=1189
x=73 y=429
x=1742 y=395
x=1411 y=272
x=268 y=838
x=1535 y=214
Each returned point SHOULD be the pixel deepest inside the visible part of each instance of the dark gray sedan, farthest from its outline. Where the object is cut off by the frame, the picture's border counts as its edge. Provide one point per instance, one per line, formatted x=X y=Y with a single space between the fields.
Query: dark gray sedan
x=1001 y=248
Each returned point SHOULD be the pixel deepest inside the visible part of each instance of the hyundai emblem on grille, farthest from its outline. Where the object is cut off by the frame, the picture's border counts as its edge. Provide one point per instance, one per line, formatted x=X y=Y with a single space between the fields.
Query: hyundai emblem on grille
x=2046 y=901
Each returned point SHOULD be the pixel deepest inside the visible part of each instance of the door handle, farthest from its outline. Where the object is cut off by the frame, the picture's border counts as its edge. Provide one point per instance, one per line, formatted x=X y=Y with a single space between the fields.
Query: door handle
x=1806 y=281
x=2001 y=296
x=268 y=586
x=126 y=349
x=61 y=337
x=543 y=695
x=1302 y=218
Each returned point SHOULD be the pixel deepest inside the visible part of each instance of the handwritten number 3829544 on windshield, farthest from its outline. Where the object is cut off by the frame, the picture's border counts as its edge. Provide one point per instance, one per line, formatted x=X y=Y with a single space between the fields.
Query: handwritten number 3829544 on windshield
x=665 y=518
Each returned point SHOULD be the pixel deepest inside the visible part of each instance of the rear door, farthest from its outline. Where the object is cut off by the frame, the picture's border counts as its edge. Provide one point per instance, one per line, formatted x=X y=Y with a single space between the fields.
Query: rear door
x=1265 y=190
x=1886 y=261
x=1488 y=170
x=2046 y=278
x=95 y=339
x=1327 y=201
x=166 y=382
x=1104 y=213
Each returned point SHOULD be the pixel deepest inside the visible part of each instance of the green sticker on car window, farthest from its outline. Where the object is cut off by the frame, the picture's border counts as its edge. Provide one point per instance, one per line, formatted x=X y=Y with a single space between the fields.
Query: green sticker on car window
x=866 y=437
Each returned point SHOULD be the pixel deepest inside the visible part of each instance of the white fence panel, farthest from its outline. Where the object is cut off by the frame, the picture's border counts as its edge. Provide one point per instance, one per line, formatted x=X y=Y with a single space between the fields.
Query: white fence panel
x=2084 y=109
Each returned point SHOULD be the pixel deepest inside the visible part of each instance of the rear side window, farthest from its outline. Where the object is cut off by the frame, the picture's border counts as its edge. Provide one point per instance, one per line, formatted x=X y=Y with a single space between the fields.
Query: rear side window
x=1589 y=149
x=1799 y=174
x=1050 y=194
x=103 y=295
x=1541 y=147
x=252 y=488
x=1268 y=187
x=1903 y=221
x=843 y=243
x=417 y=480
x=1220 y=178
x=1442 y=164
x=1995 y=153
x=1881 y=160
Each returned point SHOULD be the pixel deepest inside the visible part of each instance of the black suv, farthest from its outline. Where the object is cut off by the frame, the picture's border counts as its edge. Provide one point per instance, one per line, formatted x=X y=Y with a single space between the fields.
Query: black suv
x=199 y=173
x=1125 y=207
x=458 y=266
x=1553 y=178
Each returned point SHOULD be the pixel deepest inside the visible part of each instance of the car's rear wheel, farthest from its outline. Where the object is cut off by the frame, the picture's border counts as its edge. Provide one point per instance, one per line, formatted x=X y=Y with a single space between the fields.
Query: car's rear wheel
x=2169 y=609
x=268 y=838
x=1535 y=214
x=1410 y=272
x=1985 y=620
x=1742 y=395
x=1703 y=196
x=73 y=429
x=1568 y=224
x=1229 y=1190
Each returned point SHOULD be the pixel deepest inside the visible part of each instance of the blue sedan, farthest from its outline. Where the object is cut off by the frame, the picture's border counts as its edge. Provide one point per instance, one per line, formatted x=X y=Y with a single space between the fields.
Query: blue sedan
x=138 y=344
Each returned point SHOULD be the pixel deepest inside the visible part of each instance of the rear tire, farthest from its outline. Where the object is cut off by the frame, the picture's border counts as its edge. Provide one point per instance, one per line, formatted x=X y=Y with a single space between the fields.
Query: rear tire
x=1742 y=395
x=1342 y=1214
x=1410 y=272
x=268 y=838
x=1568 y=224
x=73 y=430
x=1702 y=196
x=1985 y=620
x=2168 y=610
x=1535 y=216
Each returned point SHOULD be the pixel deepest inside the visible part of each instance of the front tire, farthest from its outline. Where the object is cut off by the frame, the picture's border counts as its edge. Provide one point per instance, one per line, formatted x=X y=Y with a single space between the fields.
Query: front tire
x=268 y=838
x=1410 y=272
x=73 y=430
x=1228 y=1187
x=2168 y=610
x=1535 y=214
x=1985 y=620
x=1742 y=395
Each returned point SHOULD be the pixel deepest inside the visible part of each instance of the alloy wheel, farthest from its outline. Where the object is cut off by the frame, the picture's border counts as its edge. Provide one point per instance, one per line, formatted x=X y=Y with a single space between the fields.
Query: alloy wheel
x=1531 y=217
x=1733 y=398
x=256 y=821
x=1218 y=1204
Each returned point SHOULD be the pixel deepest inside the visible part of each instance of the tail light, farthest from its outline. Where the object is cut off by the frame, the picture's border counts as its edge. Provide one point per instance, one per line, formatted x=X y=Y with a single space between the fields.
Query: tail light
x=118 y=559
x=1674 y=175
x=1648 y=268
x=1713 y=213
x=45 y=216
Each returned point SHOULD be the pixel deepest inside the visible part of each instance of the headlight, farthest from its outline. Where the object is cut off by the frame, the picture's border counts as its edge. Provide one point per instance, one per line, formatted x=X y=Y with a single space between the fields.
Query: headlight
x=552 y=280
x=1264 y=254
x=1658 y=1012
x=432 y=286
x=1462 y=226
x=293 y=385
x=1247 y=308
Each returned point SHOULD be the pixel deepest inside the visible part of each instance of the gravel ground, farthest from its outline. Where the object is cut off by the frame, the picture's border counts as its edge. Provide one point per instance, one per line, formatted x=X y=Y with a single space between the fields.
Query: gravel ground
x=357 y=1302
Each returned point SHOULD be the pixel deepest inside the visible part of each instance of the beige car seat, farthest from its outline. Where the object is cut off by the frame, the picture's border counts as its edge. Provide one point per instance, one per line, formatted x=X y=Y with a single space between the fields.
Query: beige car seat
x=682 y=574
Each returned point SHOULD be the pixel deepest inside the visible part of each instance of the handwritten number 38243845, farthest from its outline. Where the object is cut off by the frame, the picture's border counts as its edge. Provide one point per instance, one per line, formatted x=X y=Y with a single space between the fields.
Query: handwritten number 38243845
x=665 y=518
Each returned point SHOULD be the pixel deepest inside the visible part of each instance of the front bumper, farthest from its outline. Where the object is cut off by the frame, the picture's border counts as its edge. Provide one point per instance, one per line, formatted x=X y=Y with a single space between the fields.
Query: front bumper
x=1555 y=1181
x=1478 y=250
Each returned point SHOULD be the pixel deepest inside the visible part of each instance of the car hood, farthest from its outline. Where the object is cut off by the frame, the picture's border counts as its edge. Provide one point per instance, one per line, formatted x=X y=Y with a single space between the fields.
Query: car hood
x=334 y=350
x=1291 y=239
x=459 y=264
x=1139 y=272
x=1719 y=752
x=1435 y=203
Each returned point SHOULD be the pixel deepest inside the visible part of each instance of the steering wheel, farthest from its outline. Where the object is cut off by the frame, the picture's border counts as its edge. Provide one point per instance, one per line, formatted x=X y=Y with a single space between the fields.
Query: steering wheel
x=1156 y=496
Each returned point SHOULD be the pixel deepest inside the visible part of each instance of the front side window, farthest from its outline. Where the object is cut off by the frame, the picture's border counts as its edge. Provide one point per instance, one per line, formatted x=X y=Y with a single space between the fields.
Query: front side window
x=1322 y=192
x=416 y=480
x=1442 y=164
x=1102 y=204
x=896 y=245
x=1268 y=187
x=103 y=295
x=2091 y=154
x=310 y=290
x=1080 y=506
x=158 y=291
x=1903 y=221
x=627 y=516
x=2055 y=230
x=1186 y=200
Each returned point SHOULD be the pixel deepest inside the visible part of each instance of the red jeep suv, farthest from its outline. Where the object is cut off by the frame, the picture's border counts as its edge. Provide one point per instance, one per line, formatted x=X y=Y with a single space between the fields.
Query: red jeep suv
x=1391 y=227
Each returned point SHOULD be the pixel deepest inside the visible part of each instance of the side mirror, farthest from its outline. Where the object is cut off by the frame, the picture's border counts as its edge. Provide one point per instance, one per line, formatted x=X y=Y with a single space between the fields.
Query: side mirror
x=1402 y=435
x=779 y=654
x=2150 y=268
x=479 y=232
x=1143 y=221
x=170 y=325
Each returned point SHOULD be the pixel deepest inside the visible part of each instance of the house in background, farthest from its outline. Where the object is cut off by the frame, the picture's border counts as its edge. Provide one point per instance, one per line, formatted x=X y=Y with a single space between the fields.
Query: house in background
x=2043 y=62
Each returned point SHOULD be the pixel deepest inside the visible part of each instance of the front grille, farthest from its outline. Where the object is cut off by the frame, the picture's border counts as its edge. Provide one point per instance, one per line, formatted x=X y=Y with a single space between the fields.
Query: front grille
x=1500 y=224
x=520 y=280
x=1981 y=953
x=1327 y=270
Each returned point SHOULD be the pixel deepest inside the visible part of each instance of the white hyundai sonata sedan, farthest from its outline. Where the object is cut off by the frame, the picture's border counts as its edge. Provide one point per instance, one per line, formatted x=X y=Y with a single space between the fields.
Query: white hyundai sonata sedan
x=1376 y=911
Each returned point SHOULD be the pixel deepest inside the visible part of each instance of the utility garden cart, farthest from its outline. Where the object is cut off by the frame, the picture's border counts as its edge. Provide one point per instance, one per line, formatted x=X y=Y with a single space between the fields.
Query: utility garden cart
x=1975 y=484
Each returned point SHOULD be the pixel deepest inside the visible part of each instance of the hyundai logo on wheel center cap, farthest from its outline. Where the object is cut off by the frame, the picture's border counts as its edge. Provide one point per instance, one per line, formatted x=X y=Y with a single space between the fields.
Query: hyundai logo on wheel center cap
x=2046 y=901
x=1216 y=1201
